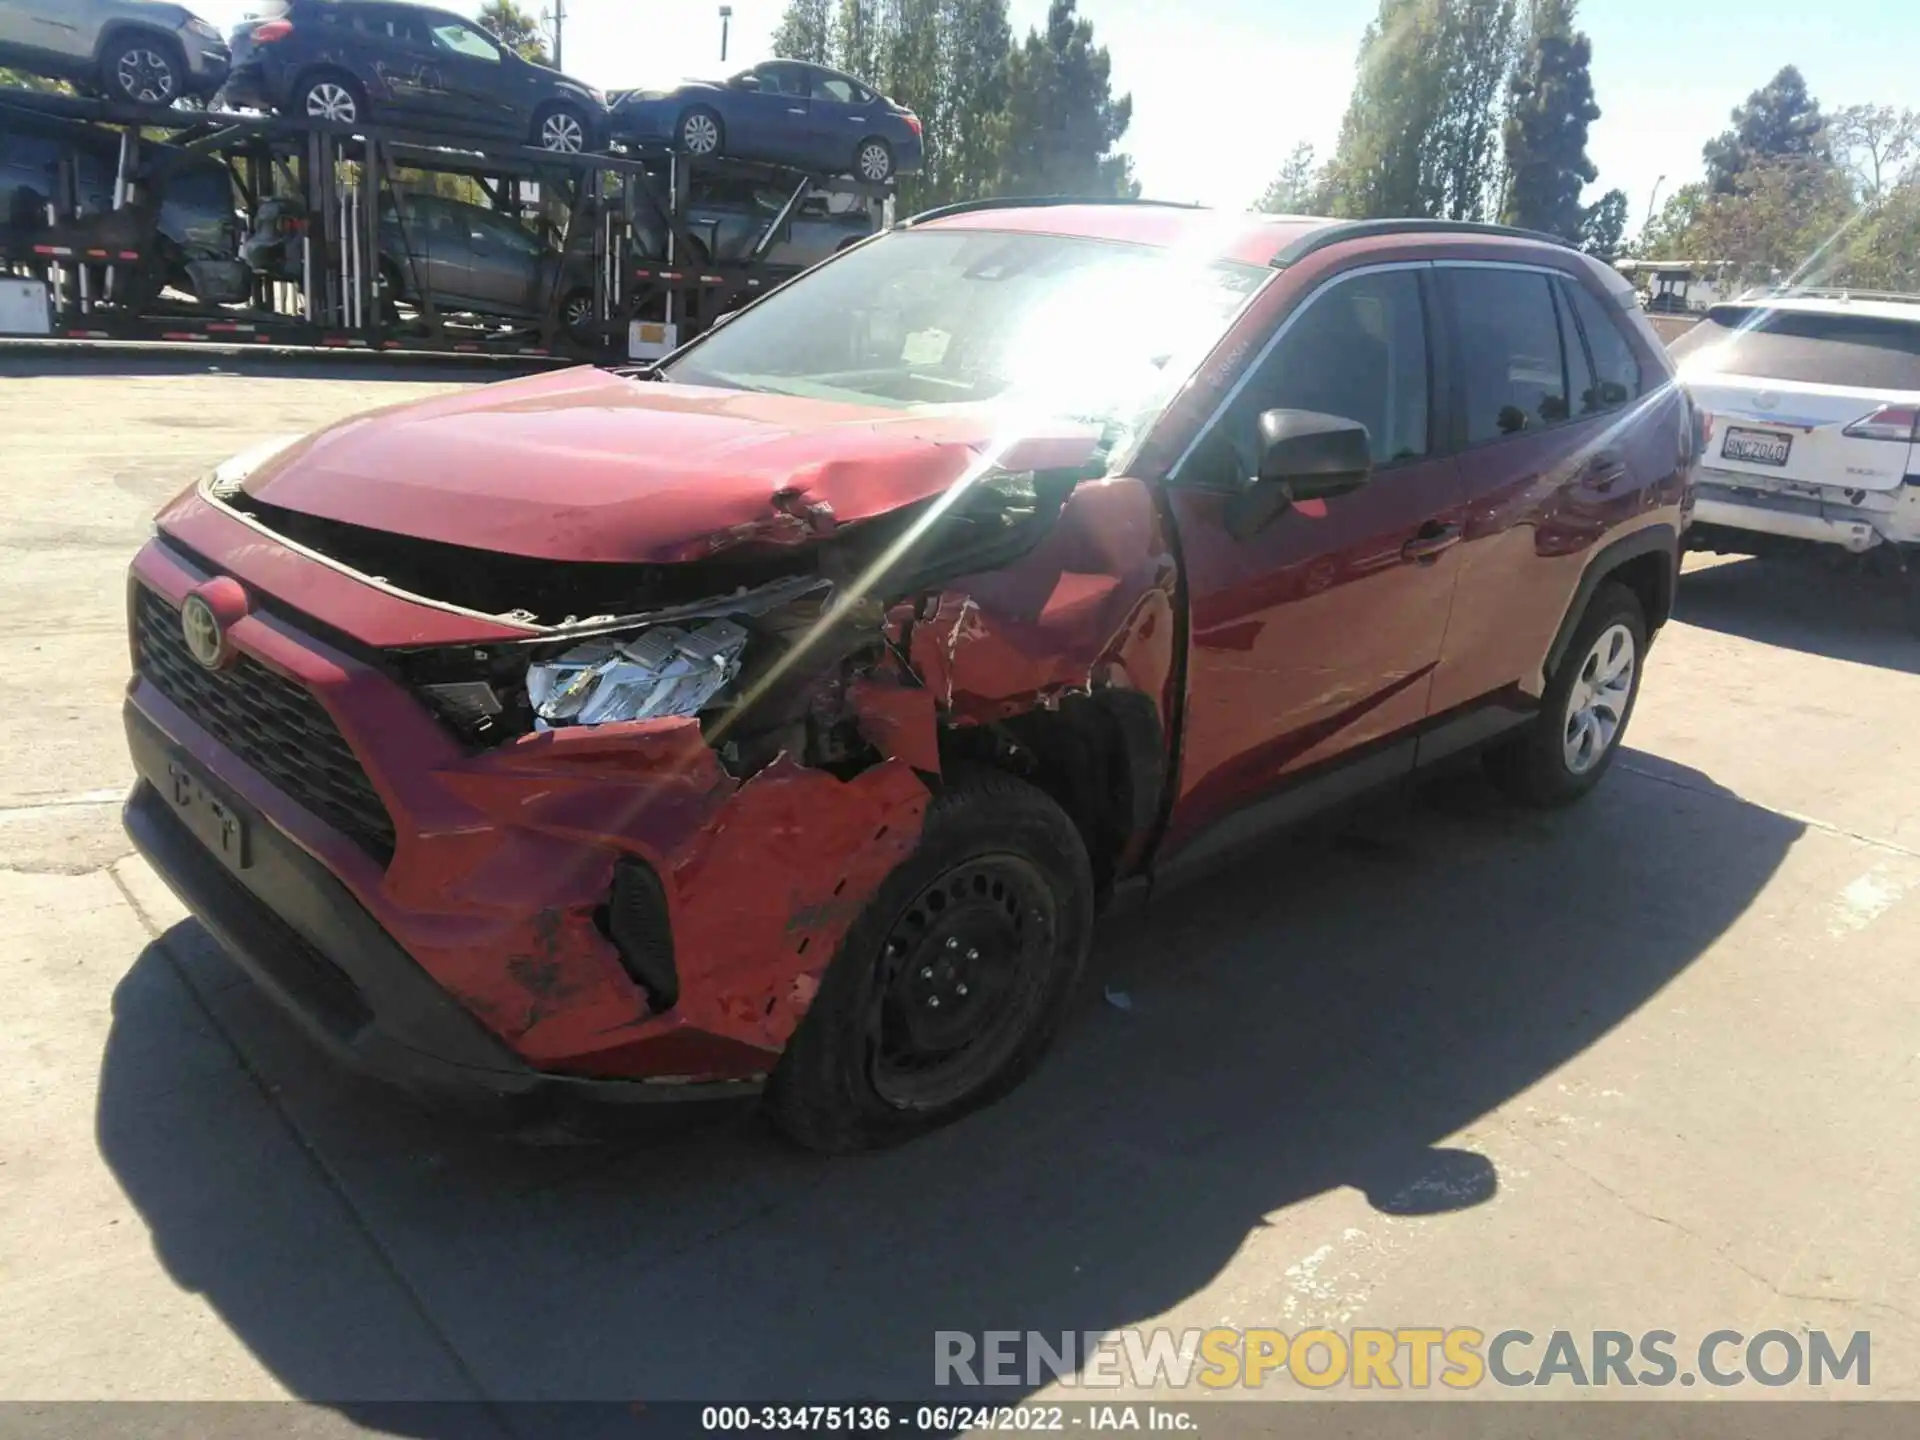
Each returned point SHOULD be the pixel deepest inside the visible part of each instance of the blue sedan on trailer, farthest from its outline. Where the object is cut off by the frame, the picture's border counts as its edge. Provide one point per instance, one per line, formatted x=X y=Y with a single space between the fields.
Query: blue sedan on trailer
x=787 y=112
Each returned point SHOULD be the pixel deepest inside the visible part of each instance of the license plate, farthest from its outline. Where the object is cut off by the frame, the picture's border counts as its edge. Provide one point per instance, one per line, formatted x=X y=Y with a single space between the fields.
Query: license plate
x=219 y=826
x=1756 y=447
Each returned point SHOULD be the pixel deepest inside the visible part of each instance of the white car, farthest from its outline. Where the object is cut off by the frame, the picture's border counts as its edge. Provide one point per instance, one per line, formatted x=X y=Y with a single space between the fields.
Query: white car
x=1812 y=406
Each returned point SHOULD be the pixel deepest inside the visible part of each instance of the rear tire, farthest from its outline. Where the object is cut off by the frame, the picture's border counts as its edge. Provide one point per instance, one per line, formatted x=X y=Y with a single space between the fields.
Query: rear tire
x=576 y=316
x=873 y=161
x=990 y=918
x=141 y=67
x=1570 y=744
x=329 y=95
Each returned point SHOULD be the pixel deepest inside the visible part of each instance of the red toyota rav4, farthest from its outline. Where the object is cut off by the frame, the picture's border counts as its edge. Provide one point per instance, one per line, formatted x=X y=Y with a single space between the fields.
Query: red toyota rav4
x=781 y=715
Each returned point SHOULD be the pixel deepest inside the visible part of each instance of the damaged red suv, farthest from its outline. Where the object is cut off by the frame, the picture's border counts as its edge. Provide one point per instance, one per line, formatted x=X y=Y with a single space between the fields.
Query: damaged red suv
x=781 y=716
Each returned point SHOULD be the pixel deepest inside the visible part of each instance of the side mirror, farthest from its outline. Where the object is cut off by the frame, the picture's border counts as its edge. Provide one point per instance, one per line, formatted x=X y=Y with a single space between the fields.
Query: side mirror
x=1313 y=456
x=746 y=82
x=1304 y=455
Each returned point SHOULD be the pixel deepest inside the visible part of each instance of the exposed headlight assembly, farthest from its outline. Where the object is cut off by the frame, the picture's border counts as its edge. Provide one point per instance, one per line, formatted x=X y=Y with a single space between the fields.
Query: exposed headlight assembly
x=661 y=672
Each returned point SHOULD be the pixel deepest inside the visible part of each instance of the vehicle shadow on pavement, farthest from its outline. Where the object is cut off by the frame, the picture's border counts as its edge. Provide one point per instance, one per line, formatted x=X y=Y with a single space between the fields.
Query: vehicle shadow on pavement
x=1325 y=1015
x=1803 y=607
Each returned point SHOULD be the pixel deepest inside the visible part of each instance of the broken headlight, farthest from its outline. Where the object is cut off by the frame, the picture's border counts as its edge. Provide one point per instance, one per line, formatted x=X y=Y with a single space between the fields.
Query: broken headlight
x=661 y=672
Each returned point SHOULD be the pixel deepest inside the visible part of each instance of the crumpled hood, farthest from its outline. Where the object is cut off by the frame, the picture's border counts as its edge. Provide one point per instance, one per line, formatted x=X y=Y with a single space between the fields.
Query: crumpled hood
x=587 y=465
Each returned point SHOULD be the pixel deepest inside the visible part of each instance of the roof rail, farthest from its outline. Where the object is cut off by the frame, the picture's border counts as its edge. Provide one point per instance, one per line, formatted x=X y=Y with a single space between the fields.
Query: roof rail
x=1340 y=231
x=1033 y=202
x=1827 y=292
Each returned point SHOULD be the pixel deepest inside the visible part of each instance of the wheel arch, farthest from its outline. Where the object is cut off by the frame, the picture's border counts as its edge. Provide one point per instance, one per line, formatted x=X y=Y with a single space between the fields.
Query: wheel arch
x=115 y=30
x=1101 y=757
x=1647 y=562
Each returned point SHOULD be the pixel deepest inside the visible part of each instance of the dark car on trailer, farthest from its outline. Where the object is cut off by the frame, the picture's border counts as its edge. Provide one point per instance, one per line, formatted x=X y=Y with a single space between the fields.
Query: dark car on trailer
x=786 y=112
x=182 y=217
x=782 y=715
x=727 y=221
x=355 y=62
x=143 y=52
x=457 y=256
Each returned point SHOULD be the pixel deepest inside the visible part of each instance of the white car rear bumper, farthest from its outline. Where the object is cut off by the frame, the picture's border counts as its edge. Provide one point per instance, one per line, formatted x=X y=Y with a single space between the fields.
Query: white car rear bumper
x=1854 y=530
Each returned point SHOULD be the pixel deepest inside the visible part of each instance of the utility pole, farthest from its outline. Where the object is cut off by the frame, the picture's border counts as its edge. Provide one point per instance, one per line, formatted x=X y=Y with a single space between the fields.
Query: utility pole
x=726 y=15
x=558 y=18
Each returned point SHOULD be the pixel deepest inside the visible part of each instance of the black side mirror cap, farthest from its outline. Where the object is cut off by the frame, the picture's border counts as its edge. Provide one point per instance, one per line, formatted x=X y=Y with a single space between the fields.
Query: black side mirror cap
x=1304 y=455
x=1311 y=456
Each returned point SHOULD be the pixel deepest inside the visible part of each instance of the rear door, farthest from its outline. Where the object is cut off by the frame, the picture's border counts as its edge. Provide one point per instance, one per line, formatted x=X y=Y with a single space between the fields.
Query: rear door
x=841 y=113
x=45 y=25
x=1803 y=400
x=1547 y=466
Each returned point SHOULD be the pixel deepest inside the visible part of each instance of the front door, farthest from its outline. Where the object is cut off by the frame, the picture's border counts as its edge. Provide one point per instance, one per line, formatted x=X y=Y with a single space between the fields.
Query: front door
x=1312 y=643
x=476 y=85
x=774 y=117
x=506 y=263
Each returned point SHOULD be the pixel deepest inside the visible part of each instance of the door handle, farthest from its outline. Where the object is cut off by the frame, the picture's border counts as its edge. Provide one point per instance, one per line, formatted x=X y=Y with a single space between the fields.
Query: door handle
x=1428 y=545
x=1603 y=472
x=796 y=110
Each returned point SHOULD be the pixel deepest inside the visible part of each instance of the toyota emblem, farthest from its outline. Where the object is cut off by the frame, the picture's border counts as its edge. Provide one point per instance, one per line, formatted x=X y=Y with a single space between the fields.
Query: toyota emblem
x=201 y=628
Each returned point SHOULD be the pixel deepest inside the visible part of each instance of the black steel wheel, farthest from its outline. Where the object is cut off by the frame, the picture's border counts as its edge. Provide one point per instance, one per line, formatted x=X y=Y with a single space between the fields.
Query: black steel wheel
x=963 y=972
x=951 y=984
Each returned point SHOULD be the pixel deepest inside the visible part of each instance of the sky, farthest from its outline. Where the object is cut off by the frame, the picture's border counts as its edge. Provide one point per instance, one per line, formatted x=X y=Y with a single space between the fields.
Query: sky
x=1224 y=89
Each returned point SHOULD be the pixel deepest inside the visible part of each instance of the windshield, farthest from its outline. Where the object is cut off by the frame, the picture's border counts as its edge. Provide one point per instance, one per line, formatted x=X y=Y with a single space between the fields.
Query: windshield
x=1063 y=328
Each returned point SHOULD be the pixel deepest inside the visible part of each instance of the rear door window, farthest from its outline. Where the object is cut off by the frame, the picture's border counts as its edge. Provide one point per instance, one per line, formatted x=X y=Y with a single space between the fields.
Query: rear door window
x=1871 y=352
x=1616 y=369
x=1513 y=369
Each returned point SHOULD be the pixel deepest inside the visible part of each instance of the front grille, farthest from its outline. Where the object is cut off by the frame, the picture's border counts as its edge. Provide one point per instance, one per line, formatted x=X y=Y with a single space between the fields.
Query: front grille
x=273 y=724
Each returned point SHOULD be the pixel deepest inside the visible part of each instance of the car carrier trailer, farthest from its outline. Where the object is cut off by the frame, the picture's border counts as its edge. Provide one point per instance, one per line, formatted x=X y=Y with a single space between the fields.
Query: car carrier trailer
x=95 y=271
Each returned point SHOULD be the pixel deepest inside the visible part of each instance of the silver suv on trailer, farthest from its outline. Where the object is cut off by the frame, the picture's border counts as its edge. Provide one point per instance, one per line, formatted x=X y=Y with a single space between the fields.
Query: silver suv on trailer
x=147 y=52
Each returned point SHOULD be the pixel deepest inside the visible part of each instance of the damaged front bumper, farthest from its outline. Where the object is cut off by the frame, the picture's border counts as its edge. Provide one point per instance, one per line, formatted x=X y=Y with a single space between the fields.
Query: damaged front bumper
x=472 y=944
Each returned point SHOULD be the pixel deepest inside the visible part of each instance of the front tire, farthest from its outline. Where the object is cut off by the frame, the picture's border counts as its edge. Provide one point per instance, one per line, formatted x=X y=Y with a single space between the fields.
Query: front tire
x=561 y=129
x=700 y=133
x=1570 y=744
x=951 y=984
x=143 y=69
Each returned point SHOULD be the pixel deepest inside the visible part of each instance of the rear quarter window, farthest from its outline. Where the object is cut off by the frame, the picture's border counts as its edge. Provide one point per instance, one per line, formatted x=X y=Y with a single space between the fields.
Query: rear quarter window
x=1870 y=351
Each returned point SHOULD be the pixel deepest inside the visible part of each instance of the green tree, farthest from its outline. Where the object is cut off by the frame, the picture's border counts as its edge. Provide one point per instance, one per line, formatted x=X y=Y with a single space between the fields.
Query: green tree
x=1666 y=236
x=1877 y=141
x=1062 y=119
x=26 y=80
x=805 y=32
x=1398 y=95
x=1789 y=219
x=1603 y=226
x=1421 y=132
x=1779 y=121
x=514 y=28
x=1476 y=58
x=1550 y=108
x=1296 y=189
x=1885 y=254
